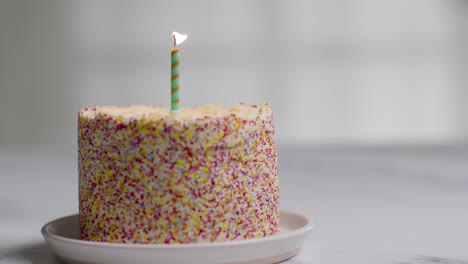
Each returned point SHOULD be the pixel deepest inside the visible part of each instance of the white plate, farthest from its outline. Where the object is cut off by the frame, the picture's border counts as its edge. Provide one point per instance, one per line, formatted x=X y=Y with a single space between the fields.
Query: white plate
x=63 y=237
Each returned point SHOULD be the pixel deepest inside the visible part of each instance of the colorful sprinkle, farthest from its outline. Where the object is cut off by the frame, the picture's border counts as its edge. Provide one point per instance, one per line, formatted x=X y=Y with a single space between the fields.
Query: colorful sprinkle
x=165 y=180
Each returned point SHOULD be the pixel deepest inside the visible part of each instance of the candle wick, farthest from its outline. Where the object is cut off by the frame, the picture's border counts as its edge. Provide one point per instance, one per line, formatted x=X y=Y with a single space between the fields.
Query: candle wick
x=175 y=43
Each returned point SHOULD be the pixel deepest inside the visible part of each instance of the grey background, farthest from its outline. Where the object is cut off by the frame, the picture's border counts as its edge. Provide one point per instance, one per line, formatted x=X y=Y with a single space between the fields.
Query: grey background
x=386 y=72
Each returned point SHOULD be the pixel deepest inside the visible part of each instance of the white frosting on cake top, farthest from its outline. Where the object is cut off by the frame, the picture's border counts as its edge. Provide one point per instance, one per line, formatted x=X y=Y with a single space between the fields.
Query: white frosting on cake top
x=185 y=114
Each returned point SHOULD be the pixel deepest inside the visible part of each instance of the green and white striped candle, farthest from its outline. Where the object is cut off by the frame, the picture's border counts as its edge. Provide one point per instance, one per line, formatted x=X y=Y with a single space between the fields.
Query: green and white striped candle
x=175 y=86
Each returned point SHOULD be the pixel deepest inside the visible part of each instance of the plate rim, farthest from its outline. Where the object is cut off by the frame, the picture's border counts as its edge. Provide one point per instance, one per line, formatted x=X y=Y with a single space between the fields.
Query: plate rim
x=47 y=234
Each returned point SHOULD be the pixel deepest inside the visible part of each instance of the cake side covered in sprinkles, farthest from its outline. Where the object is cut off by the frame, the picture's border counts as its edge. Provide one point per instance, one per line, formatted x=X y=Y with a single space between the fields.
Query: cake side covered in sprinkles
x=210 y=174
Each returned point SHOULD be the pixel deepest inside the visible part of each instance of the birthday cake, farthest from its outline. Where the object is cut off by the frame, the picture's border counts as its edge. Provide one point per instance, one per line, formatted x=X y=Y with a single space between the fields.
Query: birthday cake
x=208 y=174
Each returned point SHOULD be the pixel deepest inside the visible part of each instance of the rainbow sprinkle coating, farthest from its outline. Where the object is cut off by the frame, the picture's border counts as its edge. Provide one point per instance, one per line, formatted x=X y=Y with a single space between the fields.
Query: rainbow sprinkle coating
x=156 y=178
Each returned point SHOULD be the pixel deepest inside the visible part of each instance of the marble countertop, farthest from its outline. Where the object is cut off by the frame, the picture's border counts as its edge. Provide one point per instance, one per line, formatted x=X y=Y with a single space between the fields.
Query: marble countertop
x=402 y=205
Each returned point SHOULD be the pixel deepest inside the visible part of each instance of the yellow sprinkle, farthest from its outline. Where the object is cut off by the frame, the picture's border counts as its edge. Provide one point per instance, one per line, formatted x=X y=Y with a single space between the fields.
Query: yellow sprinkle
x=143 y=151
x=107 y=174
x=173 y=218
x=149 y=212
x=188 y=133
x=196 y=218
x=144 y=130
x=95 y=206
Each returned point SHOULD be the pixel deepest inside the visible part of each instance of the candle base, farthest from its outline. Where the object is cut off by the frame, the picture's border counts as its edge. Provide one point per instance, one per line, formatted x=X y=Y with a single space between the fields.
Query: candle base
x=175 y=112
